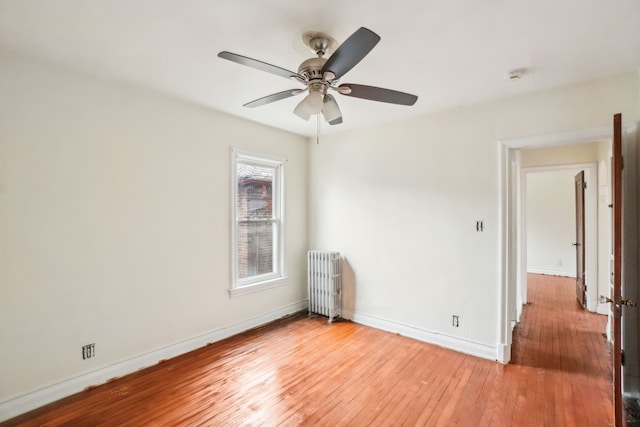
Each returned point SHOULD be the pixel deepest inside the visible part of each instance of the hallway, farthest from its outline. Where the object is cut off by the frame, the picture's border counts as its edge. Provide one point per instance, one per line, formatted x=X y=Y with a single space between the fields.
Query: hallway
x=560 y=351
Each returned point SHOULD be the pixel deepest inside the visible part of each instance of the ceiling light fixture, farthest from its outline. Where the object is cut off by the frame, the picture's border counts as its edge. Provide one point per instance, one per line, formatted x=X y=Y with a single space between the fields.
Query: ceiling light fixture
x=331 y=111
x=312 y=103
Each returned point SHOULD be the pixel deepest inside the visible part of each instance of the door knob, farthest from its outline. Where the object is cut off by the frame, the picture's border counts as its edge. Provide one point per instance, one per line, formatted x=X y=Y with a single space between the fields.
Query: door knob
x=628 y=302
x=604 y=300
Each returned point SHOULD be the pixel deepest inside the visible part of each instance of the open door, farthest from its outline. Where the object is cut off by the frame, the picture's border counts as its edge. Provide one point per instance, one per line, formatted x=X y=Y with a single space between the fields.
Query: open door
x=581 y=288
x=616 y=300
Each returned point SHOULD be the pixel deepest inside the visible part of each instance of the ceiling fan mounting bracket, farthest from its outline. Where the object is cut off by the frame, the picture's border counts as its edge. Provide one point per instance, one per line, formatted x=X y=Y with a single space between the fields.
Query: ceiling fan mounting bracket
x=320 y=43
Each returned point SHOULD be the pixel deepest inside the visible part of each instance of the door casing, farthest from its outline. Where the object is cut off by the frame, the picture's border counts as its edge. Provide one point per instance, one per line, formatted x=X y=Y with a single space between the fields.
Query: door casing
x=512 y=269
x=580 y=196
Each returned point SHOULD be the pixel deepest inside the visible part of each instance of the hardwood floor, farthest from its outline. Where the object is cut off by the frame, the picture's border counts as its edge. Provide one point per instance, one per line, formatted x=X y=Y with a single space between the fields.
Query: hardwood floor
x=303 y=371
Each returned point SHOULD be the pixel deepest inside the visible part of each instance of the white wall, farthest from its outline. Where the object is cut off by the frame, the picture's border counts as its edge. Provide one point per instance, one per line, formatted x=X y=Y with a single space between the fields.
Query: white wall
x=401 y=201
x=114 y=224
x=560 y=155
x=561 y=201
x=114 y=217
x=551 y=226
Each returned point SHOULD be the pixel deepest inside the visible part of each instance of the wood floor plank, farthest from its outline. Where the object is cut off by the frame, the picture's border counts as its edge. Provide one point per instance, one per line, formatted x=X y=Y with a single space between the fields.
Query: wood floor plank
x=401 y=397
x=302 y=371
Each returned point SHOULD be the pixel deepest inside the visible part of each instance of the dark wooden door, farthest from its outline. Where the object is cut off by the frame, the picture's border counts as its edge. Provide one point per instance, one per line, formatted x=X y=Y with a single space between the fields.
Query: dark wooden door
x=581 y=288
x=616 y=303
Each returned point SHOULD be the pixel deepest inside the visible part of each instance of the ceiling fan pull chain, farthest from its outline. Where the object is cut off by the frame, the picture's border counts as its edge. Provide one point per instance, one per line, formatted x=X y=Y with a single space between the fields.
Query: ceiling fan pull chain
x=318 y=130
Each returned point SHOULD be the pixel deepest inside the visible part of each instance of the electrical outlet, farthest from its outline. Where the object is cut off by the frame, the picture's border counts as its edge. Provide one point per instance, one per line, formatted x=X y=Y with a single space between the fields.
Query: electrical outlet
x=455 y=321
x=88 y=351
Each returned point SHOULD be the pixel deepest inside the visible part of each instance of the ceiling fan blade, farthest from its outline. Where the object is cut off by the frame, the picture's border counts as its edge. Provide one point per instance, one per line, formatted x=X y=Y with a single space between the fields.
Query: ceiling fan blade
x=259 y=65
x=273 y=98
x=377 y=94
x=349 y=53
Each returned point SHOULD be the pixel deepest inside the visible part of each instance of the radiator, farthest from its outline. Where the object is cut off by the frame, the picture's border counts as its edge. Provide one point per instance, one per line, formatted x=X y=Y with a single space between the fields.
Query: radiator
x=325 y=283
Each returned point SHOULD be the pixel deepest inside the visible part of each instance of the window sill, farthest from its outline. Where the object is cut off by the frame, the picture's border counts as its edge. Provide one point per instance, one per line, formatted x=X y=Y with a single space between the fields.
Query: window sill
x=249 y=289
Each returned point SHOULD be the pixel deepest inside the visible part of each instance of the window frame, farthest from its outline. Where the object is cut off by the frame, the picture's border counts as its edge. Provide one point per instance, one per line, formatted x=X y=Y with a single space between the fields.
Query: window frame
x=241 y=286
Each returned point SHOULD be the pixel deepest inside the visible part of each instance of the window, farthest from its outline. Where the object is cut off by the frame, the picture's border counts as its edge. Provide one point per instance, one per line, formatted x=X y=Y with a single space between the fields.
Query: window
x=257 y=207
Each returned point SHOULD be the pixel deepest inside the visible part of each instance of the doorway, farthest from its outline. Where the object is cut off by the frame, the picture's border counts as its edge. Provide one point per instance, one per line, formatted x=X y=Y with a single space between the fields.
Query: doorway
x=548 y=224
x=512 y=243
x=511 y=266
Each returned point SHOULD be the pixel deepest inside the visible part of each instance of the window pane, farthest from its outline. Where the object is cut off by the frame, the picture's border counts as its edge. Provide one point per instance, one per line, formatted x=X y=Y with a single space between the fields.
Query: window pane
x=257 y=212
x=255 y=192
x=255 y=249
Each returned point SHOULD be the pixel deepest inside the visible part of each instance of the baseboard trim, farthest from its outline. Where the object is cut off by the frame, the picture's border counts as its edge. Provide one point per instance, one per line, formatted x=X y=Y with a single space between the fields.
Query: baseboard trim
x=19 y=405
x=504 y=353
x=447 y=341
x=549 y=272
x=603 y=308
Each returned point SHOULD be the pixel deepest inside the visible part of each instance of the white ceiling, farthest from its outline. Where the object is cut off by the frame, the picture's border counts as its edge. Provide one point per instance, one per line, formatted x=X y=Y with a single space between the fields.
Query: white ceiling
x=449 y=53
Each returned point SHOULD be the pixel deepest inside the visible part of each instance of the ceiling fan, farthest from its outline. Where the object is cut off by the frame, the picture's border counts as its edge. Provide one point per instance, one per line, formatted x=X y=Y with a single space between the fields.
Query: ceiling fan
x=321 y=75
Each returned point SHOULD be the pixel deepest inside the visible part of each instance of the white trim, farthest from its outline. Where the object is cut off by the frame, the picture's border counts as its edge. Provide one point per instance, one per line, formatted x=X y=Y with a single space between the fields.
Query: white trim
x=563 y=138
x=602 y=309
x=249 y=289
x=443 y=340
x=563 y=273
x=503 y=353
x=506 y=261
x=18 y=405
x=519 y=260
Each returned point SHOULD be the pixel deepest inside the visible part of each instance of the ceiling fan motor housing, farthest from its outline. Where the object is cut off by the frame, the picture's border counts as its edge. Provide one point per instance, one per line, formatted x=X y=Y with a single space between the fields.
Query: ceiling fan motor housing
x=312 y=68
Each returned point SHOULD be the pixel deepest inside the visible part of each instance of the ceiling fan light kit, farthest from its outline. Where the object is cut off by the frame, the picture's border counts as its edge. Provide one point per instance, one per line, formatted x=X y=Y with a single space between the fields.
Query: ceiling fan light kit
x=320 y=75
x=302 y=111
x=331 y=110
x=310 y=105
